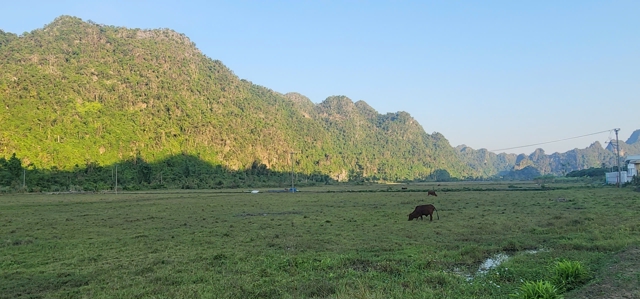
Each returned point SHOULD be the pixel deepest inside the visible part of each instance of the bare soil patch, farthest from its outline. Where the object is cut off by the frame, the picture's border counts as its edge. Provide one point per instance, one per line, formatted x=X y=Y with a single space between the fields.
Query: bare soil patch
x=619 y=279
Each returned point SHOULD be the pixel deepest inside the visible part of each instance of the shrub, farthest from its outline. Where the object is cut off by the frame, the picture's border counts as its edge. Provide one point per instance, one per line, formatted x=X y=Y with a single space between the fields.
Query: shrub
x=537 y=290
x=568 y=275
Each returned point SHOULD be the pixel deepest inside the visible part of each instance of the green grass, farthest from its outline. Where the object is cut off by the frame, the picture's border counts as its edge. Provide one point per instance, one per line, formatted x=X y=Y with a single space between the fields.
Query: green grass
x=304 y=245
x=537 y=290
x=568 y=275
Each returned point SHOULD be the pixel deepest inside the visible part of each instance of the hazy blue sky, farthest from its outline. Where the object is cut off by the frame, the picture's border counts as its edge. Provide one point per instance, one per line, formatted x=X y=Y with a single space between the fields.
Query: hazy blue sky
x=488 y=74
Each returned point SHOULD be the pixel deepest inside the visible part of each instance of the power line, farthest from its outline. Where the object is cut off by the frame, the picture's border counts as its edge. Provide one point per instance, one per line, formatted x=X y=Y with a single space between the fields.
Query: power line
x=504 y=149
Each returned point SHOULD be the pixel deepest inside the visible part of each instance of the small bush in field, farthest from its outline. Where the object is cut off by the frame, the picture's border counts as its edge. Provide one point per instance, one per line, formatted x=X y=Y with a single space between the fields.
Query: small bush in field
x=568 y=275
x=537 y=290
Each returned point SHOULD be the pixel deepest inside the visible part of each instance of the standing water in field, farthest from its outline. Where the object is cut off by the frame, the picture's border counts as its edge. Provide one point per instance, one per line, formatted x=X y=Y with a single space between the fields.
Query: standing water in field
x=492 y=262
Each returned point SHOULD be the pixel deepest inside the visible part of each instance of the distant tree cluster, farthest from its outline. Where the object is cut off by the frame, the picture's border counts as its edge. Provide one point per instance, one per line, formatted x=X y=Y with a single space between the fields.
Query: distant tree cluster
x=526 y=174
x=589 y=172
x=10 y=172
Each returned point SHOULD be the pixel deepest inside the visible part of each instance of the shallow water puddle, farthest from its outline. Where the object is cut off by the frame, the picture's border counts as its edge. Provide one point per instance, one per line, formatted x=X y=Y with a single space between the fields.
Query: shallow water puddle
x=491 y=263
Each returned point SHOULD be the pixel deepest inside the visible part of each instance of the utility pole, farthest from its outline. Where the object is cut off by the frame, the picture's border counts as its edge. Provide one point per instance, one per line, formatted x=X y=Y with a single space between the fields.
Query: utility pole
x=116 y=178
x=618 y=156
x=292 y=163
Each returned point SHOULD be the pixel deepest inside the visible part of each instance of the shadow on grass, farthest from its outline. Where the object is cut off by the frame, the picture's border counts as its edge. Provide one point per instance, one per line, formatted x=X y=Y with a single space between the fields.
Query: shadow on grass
x=23 y=285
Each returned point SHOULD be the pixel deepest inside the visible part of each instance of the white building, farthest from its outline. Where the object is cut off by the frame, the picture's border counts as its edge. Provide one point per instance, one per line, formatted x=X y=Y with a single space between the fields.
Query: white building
x=633 y=164
x=612 y=177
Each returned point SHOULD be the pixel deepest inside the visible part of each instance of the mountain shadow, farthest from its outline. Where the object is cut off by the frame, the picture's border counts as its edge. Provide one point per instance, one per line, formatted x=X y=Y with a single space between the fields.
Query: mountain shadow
x=177 y=172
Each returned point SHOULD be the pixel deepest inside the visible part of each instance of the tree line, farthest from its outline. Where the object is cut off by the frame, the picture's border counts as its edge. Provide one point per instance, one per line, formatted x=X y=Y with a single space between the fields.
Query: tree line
x=177 y=172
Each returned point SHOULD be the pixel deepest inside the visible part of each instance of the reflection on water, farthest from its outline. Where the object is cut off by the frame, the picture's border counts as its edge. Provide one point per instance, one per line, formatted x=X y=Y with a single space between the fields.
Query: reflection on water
x=491 y=263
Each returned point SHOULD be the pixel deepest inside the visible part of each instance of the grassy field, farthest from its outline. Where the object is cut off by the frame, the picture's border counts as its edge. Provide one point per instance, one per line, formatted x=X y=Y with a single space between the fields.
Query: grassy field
x=323 y=242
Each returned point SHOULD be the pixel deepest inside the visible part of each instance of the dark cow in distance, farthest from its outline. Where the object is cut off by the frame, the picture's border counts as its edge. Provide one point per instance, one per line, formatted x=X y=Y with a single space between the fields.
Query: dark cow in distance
x=423 y=210
x=432 y=193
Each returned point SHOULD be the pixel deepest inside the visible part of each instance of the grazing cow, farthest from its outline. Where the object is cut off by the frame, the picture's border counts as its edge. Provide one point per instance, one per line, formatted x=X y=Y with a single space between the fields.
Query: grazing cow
x=432 y=193
x=423 y=210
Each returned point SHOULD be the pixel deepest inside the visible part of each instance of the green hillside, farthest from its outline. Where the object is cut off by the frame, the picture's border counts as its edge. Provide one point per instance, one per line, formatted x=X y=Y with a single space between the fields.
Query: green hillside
x=79 y=97
x=75 y=94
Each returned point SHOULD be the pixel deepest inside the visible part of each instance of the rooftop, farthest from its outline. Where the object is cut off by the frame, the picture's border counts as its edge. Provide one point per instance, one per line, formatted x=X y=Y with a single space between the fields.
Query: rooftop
x=633 y=159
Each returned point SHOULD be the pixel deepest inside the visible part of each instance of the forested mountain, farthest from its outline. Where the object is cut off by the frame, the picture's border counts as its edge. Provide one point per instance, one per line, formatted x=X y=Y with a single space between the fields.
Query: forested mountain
x=79 y=94
x=487 y=163
x=78 y=97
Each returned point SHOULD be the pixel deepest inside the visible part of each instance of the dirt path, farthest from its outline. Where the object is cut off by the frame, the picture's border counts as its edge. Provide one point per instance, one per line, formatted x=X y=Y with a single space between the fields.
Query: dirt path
x=620 y=279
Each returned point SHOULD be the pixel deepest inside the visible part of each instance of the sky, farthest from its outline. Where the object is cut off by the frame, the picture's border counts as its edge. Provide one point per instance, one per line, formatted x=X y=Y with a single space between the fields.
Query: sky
x=499 y=75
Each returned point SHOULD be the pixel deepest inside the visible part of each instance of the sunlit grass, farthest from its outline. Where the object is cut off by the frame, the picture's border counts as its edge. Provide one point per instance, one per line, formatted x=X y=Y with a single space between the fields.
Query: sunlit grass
x=537 y=290
x=568 y=275
x=310 y=244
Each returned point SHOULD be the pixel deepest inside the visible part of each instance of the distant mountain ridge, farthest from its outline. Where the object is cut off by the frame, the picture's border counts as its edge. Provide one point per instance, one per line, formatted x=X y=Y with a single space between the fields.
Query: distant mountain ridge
x=634 y=138
x=557 y=163
x=629 y=147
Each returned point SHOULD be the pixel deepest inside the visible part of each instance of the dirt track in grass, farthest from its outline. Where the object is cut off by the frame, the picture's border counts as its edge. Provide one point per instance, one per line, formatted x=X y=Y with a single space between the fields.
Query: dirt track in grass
x=619 y=279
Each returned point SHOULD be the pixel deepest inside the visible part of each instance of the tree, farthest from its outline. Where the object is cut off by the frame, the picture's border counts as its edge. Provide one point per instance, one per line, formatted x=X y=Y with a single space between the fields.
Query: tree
x=14 y=166
x=441 y=175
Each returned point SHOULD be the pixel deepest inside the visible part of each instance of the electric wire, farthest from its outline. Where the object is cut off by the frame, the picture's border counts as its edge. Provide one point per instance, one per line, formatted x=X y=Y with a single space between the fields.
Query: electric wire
x=509 y=148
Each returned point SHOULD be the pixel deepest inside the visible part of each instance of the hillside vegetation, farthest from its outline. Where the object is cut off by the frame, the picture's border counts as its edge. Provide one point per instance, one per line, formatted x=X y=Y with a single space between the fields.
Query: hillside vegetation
x=76 y=93
x=77 y=96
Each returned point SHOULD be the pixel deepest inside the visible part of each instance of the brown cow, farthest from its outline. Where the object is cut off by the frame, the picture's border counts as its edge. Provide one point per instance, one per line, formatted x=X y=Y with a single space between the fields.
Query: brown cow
x=426 y=210
x=432 y=193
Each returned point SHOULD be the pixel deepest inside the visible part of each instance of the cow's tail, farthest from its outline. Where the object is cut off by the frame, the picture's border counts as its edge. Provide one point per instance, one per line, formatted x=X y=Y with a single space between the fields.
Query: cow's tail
x=436 y=212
